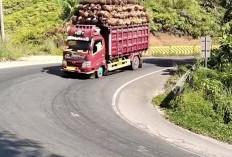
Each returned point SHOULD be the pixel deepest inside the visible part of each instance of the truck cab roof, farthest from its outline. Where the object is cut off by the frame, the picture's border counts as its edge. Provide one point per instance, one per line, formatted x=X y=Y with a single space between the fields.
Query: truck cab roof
x=84 y=31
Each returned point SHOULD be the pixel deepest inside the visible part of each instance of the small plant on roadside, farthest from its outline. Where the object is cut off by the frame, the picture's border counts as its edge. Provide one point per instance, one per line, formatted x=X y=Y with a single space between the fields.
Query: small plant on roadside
x=8 y=52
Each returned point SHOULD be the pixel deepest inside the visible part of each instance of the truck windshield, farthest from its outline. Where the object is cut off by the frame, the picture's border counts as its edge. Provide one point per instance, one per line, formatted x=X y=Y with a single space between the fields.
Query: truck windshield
x=78 y=45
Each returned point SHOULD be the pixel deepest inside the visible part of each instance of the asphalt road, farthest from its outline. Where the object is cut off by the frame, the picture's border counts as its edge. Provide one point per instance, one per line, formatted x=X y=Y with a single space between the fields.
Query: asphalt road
x=43 y=113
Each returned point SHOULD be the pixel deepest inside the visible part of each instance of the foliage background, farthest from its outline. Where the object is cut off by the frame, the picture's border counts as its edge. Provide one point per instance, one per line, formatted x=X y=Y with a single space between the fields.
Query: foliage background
x=36 y=26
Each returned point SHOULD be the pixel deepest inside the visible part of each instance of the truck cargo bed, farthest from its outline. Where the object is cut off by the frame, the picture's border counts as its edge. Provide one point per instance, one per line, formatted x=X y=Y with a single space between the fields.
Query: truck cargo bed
x=124 y=40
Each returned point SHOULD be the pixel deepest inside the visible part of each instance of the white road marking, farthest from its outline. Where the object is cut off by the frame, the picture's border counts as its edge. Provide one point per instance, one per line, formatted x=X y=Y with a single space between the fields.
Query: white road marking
x=117 y=111
x=126 y=84
x=75 y=115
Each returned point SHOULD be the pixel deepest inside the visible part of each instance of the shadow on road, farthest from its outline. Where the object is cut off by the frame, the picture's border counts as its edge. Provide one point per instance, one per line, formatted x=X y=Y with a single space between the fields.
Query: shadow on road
x=56 y=70
x=12 y=146
x=169 y=62
x=160 y=62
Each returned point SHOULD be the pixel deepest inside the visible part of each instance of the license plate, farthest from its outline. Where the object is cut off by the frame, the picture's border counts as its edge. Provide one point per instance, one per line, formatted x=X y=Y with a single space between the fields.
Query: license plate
x=71 y=68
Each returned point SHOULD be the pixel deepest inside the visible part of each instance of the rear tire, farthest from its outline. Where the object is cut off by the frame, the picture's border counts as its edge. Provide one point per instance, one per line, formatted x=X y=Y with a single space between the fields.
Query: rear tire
x=105 y=72
x=135 y=63
x=140 y=63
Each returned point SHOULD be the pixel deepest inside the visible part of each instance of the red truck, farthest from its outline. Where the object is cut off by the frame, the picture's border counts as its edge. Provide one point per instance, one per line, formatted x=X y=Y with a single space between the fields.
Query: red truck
x=92 y=49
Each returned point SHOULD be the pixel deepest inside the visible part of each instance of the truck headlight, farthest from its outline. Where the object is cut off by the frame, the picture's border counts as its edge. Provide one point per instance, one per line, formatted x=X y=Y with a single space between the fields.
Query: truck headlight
x=67 y=56
x=86 y=64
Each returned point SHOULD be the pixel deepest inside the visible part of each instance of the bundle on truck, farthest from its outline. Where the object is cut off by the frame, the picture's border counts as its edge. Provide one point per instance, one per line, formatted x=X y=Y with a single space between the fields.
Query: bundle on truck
x=106 y=35
x=114 y=13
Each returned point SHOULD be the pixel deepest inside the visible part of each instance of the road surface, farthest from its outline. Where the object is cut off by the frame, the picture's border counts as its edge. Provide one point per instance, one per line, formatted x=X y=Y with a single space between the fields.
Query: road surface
x=43 y=113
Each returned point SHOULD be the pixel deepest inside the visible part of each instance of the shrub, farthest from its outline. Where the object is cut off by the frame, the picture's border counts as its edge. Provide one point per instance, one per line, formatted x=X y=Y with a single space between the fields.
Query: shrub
x=222 y=58
x=31 y=23
x=8 y=52
x=185 y=17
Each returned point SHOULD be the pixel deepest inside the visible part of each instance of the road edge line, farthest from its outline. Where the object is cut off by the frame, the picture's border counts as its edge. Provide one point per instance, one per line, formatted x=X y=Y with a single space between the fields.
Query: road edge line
x=129 y=82
x=117 y=111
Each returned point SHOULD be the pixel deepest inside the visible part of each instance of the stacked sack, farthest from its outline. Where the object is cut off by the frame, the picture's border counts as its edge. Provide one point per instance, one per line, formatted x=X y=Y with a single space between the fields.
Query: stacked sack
x=110 y=13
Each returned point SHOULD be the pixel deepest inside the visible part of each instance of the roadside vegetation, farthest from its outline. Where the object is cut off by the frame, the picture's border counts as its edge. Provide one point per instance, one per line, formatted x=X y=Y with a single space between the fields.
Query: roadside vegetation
x=186 y=17
x=32 y=27
x=205 y=106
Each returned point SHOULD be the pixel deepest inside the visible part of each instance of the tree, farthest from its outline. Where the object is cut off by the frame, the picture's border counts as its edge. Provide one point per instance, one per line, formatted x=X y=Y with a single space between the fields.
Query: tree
x=228 y=13
x=68 y=6
x=226 y=3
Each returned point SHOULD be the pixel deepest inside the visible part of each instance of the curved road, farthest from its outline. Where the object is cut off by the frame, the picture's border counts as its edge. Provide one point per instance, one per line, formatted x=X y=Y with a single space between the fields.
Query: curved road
x=45 y=114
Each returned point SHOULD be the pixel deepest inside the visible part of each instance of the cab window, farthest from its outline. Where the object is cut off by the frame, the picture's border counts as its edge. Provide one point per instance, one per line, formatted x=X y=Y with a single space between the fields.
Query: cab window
x=98 y=46
x=78 y=45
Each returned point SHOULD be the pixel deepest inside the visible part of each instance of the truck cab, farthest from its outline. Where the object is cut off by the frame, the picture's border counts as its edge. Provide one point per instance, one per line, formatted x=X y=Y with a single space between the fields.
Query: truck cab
x=92 y=49
x=85 y=51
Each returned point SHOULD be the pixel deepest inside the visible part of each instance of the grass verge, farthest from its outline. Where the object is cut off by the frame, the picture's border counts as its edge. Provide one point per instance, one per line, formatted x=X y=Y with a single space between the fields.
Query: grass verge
x=205 y=107
x=9 y=51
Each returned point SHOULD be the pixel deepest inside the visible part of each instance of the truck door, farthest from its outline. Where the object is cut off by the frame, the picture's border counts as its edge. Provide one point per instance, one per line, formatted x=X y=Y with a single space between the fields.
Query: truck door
x=98 y=54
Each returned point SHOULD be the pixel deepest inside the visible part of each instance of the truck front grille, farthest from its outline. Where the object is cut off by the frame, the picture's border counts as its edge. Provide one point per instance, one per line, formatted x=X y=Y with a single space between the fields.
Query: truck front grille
x=74 y=64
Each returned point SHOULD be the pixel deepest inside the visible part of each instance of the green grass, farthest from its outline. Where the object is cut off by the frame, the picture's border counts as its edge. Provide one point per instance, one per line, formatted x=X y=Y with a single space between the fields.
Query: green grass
x=32 y=28
x=205 y=107
x=195 y=113
x=9 y=51
x=32 y=23
x=13 y=6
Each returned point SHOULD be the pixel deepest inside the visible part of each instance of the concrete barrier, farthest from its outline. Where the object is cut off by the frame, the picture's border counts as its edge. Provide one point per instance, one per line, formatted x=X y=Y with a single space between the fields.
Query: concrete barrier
x=175 y=50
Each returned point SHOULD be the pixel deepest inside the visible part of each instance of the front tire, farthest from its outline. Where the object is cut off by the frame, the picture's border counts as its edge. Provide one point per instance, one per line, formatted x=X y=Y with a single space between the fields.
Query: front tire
x=135 y=63
x=99 y=72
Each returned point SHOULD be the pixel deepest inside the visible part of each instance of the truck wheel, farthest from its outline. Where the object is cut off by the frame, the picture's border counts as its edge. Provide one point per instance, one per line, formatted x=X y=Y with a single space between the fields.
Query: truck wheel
x=99 y=72
x=105 y=72
x=135 y=63
x=141 y=63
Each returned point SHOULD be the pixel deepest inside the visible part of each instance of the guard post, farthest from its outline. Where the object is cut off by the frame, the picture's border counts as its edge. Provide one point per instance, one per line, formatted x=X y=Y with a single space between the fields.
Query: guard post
x=206 y=44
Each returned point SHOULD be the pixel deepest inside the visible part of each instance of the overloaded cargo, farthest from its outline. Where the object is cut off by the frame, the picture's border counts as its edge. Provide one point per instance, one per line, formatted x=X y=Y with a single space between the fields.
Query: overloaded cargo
x=107 y=35
x=110 y=1
x=110 y=13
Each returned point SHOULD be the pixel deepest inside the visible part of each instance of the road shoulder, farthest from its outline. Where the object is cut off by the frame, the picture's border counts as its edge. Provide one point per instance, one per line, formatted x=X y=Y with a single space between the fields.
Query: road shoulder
x=134 y=105
x=32 y=60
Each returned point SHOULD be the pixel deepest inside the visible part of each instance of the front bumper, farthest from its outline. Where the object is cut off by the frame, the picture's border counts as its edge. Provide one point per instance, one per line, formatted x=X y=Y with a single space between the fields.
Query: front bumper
x=78 y=70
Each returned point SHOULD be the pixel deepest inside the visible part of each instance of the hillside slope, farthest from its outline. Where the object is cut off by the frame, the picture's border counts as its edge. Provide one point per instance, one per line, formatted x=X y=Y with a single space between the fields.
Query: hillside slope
x=34 y=24
x=30 y=20
x=185 y=17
